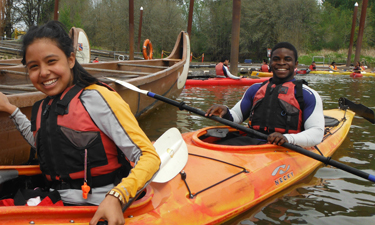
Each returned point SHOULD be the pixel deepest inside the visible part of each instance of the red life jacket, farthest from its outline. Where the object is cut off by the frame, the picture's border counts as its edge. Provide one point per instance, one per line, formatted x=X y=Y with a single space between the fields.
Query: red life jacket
x=277 y=108
x=312 y=67
x=219 y=69
x=63 y=129
x=264 y=68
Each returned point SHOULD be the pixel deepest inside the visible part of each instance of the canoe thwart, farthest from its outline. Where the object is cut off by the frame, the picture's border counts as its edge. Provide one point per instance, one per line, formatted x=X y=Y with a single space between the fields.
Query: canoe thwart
x=13 y=72
x=135 y=73
x=141 y=65
x=20 y=88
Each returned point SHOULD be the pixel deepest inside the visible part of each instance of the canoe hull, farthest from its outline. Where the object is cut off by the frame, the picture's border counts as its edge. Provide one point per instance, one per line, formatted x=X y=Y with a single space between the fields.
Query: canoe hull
x=224 y=82
x=270 y=169
x=165 y=77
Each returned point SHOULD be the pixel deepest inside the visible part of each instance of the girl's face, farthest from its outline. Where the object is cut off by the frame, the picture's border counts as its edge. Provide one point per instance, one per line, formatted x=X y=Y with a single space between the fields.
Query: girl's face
x=49 y=68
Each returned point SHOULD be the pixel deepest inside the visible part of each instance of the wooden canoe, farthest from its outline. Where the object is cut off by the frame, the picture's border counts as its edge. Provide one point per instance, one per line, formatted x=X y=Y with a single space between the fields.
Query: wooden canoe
x=165 y=77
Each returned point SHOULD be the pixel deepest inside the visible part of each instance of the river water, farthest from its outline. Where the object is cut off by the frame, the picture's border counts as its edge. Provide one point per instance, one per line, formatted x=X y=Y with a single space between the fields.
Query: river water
x=330 y=196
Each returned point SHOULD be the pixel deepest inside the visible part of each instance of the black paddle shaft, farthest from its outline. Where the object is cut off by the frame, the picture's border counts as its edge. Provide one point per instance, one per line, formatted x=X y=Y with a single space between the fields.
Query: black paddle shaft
x=325 y=160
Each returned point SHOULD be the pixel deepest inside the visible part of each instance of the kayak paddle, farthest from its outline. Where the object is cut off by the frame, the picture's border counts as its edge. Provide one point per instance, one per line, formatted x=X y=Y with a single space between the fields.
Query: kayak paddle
x=173 y=154
x=325 y=160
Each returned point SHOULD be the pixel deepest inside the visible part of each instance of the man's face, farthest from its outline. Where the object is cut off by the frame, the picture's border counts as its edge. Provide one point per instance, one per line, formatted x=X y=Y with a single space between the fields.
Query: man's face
x=283 y=63
x=226 y=62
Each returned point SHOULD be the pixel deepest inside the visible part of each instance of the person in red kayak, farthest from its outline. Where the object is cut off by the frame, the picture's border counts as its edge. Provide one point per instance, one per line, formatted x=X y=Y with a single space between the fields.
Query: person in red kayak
x=222 y=69
x=96 y=60
x=284 y=108
x=358 y=68
x=83 y=131
x=264 y=67
x=312 y=67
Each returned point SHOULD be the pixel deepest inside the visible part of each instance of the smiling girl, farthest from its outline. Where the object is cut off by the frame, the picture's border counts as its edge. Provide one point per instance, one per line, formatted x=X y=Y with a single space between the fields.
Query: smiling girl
x=84 y=133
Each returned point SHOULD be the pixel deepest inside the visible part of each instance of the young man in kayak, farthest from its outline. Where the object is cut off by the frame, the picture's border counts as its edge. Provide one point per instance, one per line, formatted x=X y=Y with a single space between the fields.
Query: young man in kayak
x=283 y=107
x=222 y=70
x=264 y=67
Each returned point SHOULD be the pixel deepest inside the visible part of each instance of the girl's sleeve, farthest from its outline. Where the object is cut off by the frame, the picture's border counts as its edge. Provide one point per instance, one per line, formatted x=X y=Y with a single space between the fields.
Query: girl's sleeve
x=114 y=117
x=23 y=125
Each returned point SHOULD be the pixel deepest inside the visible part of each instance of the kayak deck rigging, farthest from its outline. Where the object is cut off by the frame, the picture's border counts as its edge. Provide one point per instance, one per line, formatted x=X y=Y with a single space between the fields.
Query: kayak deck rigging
x=193 y=194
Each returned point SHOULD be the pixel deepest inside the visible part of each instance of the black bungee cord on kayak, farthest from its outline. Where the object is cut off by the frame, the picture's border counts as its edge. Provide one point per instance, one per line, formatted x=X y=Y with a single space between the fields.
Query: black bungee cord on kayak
x=192 y=195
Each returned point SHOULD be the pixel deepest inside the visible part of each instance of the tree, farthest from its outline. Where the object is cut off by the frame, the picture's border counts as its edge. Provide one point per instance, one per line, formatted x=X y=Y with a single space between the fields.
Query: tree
x=33 y=12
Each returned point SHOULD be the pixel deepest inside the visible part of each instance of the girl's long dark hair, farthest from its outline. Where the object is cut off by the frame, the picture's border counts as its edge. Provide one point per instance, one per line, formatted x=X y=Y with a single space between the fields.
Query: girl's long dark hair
x=56 y=31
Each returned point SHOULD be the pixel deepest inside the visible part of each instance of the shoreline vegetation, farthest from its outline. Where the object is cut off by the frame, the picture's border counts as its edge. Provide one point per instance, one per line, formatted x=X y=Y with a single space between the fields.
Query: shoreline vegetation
x=305 y=58
x=367 y=57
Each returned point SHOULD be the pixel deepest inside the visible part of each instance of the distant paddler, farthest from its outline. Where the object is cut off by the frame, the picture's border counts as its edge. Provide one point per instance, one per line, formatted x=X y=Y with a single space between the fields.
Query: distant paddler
x=264 y=67
x=333 y=67
x=222 y=69
x=358 y=68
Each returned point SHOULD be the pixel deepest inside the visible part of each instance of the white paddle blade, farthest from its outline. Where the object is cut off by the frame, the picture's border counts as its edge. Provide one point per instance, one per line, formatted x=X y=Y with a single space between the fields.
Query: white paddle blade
x=173 y=154
x=127 y=85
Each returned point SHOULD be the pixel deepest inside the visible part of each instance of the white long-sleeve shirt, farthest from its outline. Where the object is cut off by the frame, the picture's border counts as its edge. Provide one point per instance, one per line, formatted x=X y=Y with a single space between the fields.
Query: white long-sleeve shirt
x=313 y=117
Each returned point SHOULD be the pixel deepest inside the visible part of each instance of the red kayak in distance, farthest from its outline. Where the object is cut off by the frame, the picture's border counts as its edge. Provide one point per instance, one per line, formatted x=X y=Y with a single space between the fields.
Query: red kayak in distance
x=224 y=81
x=301 y=71
x=356 y=75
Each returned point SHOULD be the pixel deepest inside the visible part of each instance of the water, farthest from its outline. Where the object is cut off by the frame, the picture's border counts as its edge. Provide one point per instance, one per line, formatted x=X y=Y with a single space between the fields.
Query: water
x=330 y=196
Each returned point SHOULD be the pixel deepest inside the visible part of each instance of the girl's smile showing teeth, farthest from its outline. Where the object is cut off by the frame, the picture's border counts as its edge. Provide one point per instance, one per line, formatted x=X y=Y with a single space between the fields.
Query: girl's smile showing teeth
x=49 y=82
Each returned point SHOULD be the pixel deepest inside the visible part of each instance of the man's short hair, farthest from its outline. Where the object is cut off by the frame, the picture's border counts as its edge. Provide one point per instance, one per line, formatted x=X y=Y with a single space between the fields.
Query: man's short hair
x=224 y=58
x=285 y=45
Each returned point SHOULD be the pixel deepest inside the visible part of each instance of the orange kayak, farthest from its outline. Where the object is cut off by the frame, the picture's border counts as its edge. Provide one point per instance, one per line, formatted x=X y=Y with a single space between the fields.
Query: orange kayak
x=221 y=182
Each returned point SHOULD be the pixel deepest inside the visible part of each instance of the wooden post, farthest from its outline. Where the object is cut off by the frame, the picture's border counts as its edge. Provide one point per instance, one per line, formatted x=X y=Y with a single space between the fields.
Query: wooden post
x=190 y=21
x=131 y=29
x=56 y=10
x=236 y=15
x=352 y=34
x=140 y=29
x=360 y=31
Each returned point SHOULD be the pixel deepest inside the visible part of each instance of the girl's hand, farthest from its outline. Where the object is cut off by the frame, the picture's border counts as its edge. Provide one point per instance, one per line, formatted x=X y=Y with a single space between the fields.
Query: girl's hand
x=110 y=209
x=5 y=105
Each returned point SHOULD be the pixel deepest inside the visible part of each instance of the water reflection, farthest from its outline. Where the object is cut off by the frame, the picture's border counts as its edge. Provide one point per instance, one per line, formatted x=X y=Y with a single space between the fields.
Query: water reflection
x=331 y=196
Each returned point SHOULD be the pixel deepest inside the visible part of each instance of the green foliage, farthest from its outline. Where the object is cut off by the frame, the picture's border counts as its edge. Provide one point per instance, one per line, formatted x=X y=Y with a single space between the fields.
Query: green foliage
x=64 y=17
x=347 y=4
x=70 y=13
